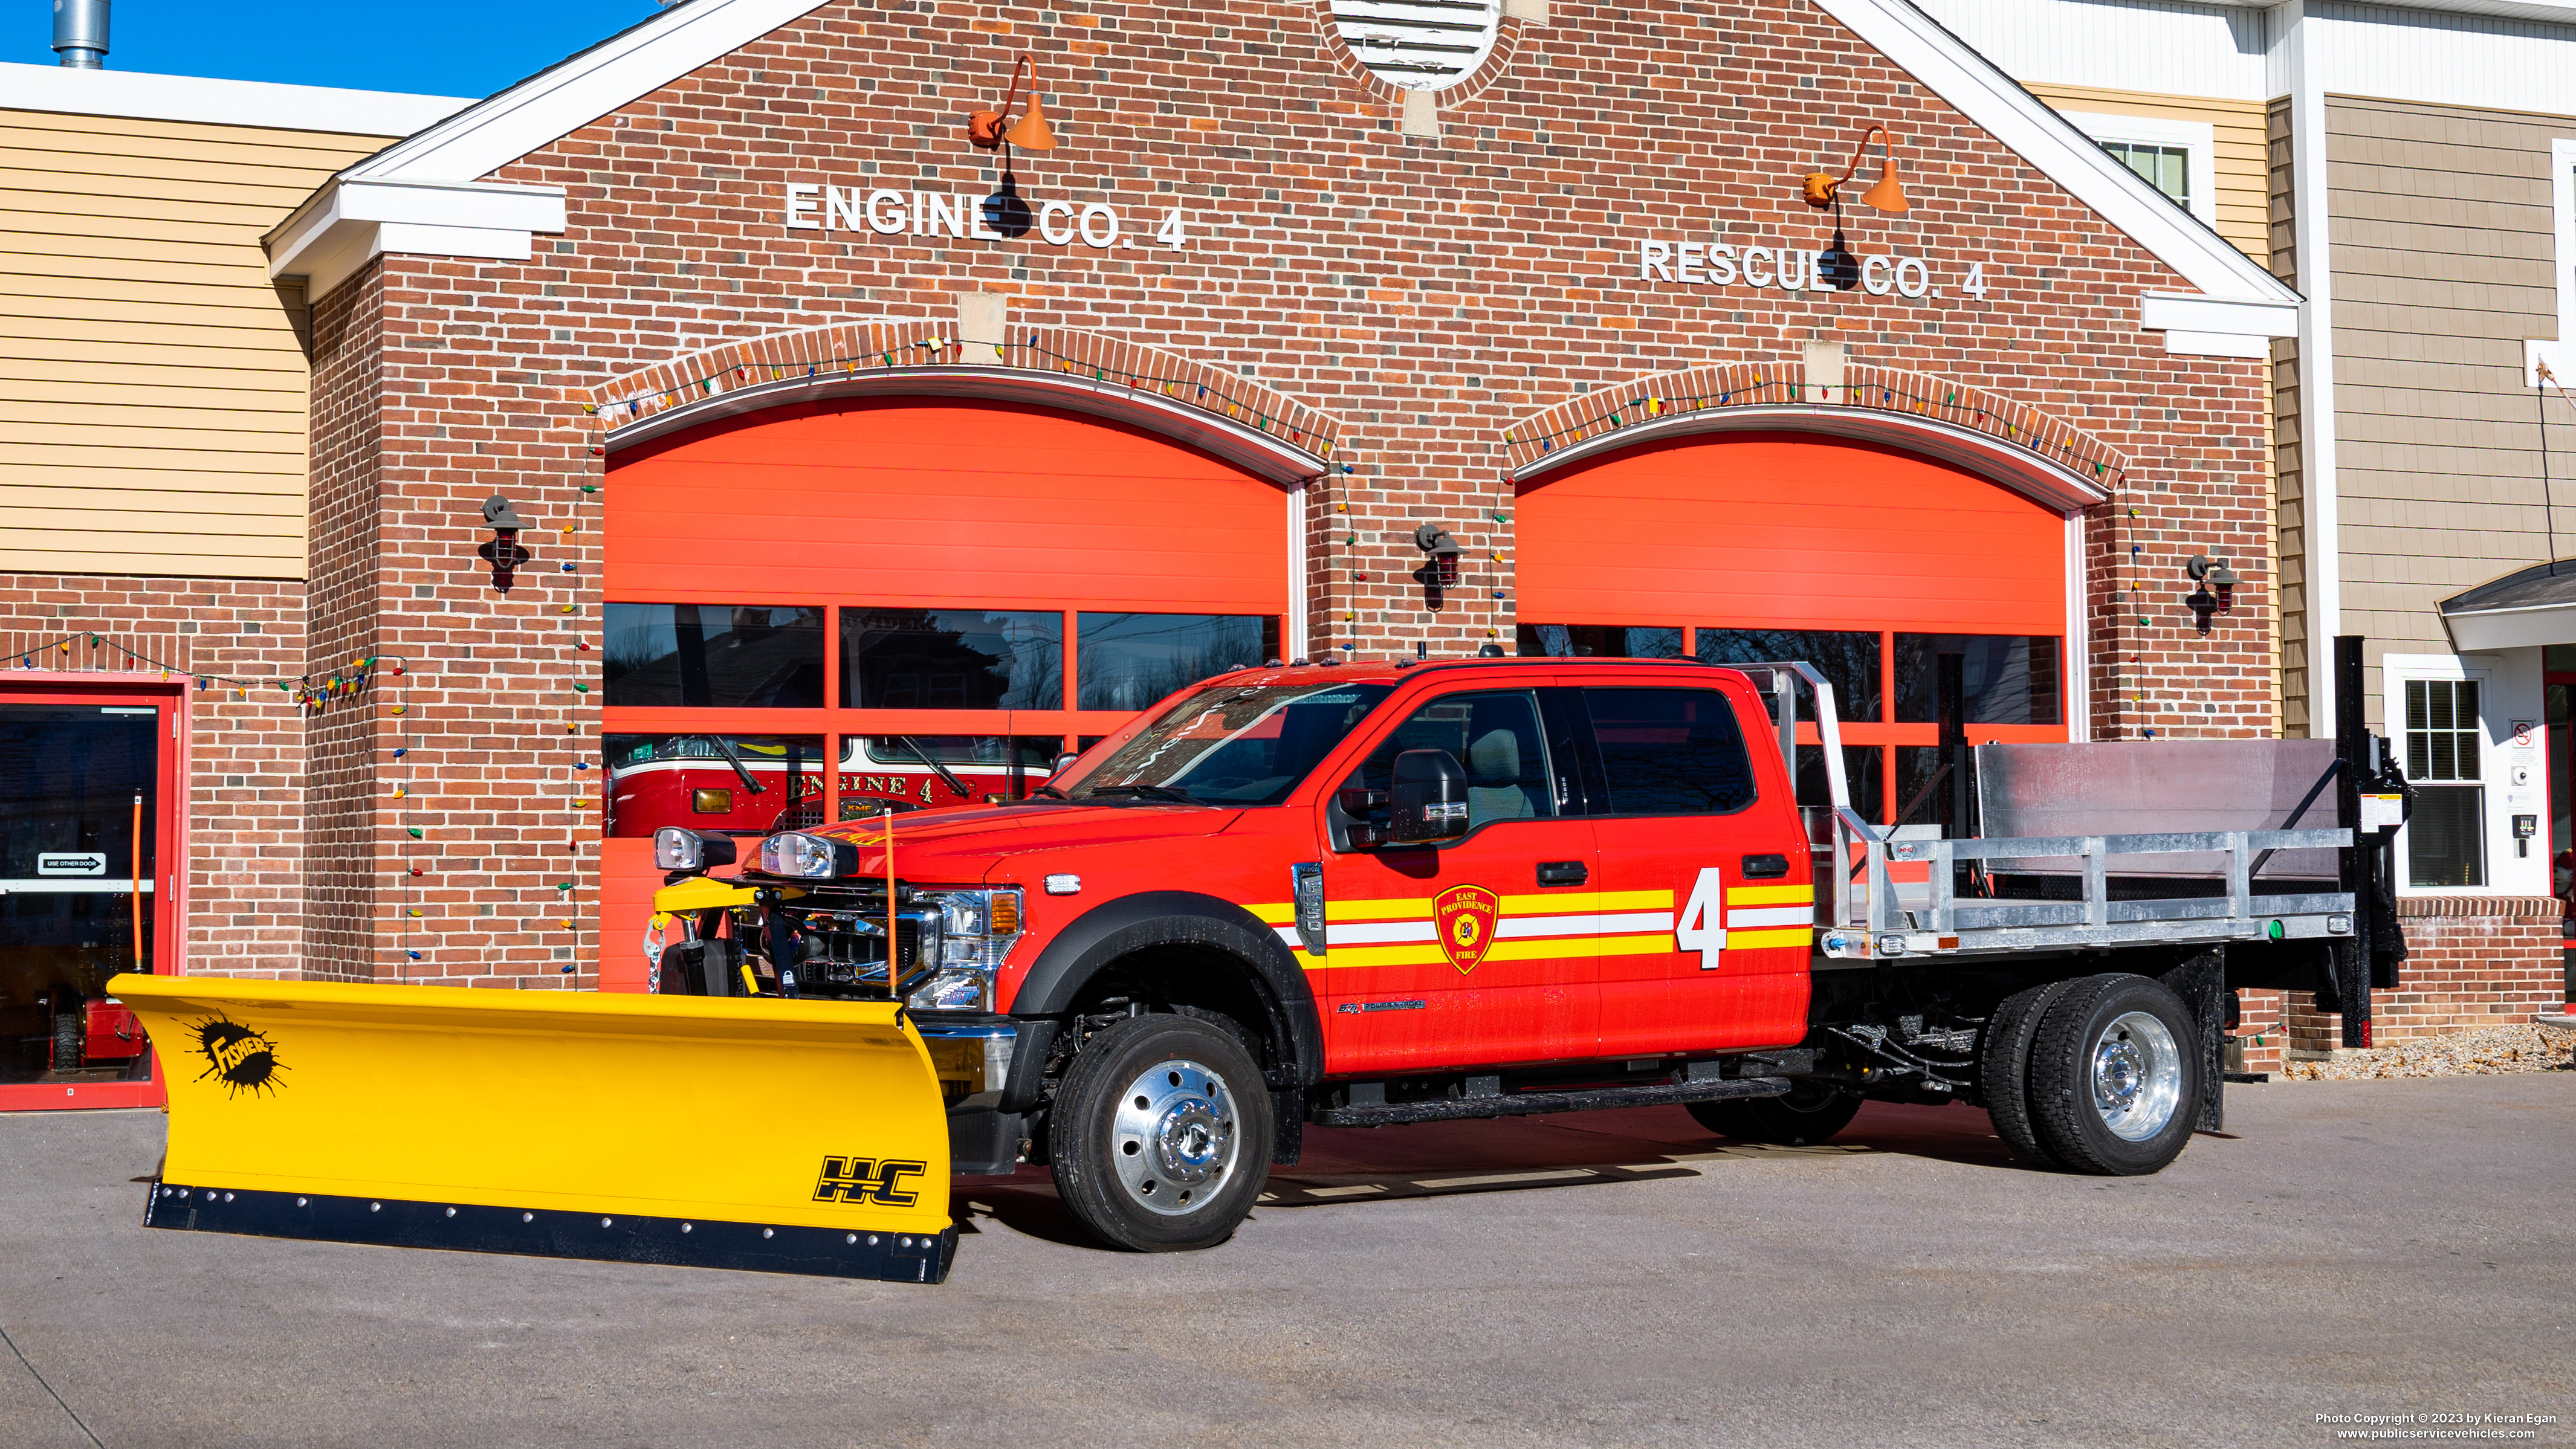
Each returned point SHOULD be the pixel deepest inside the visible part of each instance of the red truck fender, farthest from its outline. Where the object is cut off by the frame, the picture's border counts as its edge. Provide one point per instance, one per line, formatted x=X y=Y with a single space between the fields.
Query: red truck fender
x=1292 y=1048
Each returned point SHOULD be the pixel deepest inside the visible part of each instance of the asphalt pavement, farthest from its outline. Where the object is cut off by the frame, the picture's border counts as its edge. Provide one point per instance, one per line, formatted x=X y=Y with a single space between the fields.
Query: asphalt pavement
x=2389 y=1248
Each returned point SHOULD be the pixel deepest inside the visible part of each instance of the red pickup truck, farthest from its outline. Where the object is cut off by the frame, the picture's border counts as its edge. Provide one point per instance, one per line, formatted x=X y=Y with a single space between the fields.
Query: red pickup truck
x=1379 y=894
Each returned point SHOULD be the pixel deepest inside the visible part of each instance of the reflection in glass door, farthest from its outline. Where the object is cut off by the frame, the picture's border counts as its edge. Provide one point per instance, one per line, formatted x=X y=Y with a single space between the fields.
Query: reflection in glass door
x=82 y=788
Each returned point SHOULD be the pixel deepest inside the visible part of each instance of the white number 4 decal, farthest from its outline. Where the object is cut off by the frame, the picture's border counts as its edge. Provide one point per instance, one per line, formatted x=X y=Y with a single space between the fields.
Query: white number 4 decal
x=1703 y=923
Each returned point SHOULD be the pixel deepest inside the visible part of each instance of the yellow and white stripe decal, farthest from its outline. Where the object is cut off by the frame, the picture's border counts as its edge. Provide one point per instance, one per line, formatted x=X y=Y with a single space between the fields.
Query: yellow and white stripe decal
x=1398 y=931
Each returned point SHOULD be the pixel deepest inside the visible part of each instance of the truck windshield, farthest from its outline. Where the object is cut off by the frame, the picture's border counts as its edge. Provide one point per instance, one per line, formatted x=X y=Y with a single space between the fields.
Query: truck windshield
x=1231 y=745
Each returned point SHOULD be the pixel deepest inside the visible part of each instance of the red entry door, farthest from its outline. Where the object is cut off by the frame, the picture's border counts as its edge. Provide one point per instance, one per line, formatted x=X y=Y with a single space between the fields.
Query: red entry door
x=1478 y=952
x=87 y=781
x=1706 y=910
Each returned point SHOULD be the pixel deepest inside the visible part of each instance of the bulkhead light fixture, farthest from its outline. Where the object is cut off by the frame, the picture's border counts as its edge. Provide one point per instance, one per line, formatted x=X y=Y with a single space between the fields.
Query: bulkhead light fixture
x=1822 y=189
x=991 y=130
x=503 y=552
x=1442 y=571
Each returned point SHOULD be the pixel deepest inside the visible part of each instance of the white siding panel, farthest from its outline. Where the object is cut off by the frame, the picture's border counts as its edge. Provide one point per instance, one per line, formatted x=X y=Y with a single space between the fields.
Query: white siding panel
x=2446 y=59
x=2136 y=45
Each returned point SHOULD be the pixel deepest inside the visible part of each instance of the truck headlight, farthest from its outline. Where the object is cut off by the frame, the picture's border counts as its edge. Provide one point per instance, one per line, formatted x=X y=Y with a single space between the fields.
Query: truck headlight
x=975 y=931
x=679 y=849
x=810 y=857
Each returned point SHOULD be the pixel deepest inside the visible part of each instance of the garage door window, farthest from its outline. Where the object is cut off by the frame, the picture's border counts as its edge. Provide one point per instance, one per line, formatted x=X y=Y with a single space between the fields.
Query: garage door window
x=1599 y=641
x=1128 y=661
x=1848 y=659
x=2010 y=678
x=731 y=656
x=951 y=659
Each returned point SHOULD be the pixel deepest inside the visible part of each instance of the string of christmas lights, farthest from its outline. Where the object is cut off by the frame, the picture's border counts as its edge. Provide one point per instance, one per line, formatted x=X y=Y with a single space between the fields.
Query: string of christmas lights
x=343 y=682
x=1609 y=412
x=1212 y=396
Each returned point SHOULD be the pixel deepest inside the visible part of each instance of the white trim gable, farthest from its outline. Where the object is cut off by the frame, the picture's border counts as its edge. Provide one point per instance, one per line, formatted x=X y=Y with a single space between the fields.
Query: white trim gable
x=553 y=104
x=424 y=196
x=1918 y=45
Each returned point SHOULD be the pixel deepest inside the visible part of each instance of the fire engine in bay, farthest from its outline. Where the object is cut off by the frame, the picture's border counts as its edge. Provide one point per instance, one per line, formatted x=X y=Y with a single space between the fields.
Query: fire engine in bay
x=738 y=785
x=1375 y=895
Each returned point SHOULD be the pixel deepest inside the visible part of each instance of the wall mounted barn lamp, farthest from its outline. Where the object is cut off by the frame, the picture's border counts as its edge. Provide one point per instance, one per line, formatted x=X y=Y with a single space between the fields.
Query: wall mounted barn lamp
x=1822 y=189
x=991 y=130
x=2216 y=591
x=503 y=552
x=1442 y=571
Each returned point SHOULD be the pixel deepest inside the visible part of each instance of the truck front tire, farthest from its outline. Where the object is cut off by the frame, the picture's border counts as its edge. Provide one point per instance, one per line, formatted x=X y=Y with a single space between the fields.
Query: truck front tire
x=1810 y=1113
x=2115 y=1076
x=1161 y=1134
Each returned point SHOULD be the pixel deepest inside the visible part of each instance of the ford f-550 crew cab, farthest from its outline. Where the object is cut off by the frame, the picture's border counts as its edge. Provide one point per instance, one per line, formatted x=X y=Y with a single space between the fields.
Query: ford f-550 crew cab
x=1370 y=895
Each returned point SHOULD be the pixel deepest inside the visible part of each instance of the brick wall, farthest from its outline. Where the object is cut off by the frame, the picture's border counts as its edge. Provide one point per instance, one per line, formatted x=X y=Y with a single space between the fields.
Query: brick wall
x=2472 y=961
x=1430 y=292
x=247 y=762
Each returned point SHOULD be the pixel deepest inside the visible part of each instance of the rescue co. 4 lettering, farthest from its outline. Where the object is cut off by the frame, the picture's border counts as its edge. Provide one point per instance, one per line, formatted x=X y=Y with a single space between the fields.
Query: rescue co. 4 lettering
x=1796 y=269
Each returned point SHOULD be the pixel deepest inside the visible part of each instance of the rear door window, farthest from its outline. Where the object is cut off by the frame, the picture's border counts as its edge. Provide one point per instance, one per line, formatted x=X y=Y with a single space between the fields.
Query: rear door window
x=1668 y=752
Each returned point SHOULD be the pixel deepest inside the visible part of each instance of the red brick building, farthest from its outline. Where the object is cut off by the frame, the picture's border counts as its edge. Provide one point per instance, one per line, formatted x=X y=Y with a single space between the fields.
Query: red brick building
x=827 y=433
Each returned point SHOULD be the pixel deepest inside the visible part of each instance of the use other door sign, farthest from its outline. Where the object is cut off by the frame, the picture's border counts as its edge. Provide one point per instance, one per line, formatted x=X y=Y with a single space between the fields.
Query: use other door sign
x=71 y=862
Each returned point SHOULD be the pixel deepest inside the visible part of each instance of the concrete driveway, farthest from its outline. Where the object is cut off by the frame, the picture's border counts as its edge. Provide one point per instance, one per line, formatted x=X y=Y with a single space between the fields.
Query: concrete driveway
x=1604 y=1278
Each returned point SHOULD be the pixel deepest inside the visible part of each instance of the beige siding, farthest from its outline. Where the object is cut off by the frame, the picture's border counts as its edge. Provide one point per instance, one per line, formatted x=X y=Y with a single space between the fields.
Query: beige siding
x=2289 y=498
x=152 y=390
x=2238 y=156
x=2440 y=223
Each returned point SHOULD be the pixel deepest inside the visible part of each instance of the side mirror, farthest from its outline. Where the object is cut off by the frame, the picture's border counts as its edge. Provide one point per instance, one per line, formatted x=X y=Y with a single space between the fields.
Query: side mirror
x=1426 y=799
x=1062 y=764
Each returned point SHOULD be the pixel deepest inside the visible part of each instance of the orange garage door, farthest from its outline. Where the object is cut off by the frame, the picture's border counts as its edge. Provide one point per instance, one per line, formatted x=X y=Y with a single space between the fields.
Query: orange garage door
x=1867 y=560
x=813 y=597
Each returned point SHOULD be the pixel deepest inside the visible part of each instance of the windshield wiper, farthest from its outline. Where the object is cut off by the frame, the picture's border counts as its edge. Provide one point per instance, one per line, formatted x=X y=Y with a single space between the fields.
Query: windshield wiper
x=725 y=748
x=1148 y=792
x=951 y=781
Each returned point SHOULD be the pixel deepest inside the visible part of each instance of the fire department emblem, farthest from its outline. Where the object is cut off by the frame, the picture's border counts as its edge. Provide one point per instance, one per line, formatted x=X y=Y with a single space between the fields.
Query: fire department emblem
x=1465 y=917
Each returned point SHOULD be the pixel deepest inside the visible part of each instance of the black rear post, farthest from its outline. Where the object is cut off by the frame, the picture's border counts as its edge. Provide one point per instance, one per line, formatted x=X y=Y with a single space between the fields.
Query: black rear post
x=2352 y=958
x=1950 y=681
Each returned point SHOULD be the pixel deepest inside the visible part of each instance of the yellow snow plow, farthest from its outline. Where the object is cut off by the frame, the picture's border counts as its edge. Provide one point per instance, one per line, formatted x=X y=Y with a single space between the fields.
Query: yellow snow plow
x=793 y=1137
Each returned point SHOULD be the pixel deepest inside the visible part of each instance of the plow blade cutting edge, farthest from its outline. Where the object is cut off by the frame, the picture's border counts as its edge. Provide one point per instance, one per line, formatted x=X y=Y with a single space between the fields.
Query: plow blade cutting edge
x=788 y=1137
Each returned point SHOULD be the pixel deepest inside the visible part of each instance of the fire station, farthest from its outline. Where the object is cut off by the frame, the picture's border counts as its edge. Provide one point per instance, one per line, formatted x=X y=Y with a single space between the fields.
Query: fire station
x=788 y=410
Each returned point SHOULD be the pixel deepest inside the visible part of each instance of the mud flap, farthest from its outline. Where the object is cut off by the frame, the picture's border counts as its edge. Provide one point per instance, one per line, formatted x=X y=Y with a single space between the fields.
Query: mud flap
x=2201 y=982
x=795 y=1137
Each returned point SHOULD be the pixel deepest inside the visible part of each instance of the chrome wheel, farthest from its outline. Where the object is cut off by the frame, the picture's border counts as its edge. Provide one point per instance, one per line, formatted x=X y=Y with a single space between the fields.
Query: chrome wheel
x=1174 y=1139
x=2137 y=1076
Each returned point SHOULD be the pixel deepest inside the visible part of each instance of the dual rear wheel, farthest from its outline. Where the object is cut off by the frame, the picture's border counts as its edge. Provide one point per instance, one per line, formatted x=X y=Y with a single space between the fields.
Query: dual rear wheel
x=2098 y=1075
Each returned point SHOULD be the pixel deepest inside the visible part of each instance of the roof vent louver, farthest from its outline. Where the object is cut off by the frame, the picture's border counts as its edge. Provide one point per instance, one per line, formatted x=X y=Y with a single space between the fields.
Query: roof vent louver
x=1421 y=45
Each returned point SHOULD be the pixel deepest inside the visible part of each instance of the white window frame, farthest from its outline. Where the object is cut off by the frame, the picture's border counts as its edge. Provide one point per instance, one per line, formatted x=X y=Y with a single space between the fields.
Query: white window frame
x=2199 y=140
x=2561 y=353
x=2396 y=672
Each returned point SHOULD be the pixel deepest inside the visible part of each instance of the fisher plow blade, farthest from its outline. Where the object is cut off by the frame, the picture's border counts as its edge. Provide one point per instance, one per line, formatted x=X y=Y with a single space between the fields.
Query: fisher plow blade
x=785 y=1137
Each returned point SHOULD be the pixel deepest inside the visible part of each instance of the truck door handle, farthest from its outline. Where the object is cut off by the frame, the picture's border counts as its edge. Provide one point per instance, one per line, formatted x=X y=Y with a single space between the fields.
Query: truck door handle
x=1765 y=867
x=1563 y=872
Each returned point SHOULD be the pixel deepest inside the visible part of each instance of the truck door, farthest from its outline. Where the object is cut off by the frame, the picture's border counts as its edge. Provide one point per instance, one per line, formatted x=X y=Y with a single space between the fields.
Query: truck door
x=1706 y=904
x=1478 y=952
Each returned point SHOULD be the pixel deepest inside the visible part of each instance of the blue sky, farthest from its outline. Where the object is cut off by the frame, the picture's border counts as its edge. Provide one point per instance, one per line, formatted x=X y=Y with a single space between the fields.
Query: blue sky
x=456 y=48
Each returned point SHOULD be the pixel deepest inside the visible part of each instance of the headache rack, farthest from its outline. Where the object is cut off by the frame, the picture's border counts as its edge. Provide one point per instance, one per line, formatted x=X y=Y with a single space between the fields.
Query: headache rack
x=2283 y=868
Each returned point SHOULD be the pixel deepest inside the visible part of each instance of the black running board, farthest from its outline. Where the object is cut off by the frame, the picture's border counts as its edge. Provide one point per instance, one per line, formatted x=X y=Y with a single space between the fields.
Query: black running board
x=1523 y=1104
x=554 y=1233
